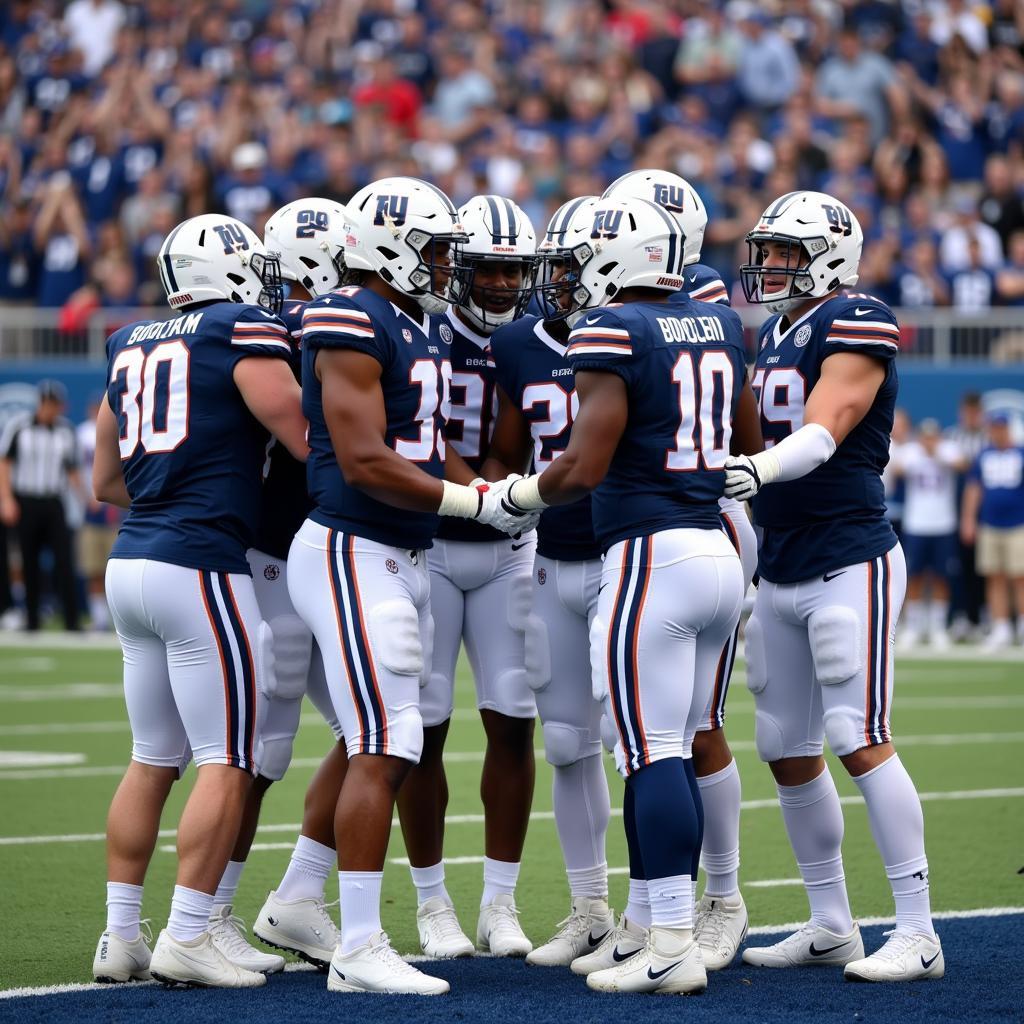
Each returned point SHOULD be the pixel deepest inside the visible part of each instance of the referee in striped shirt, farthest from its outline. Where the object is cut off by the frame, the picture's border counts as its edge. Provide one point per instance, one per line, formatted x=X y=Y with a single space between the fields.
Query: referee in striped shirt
x=38 y=460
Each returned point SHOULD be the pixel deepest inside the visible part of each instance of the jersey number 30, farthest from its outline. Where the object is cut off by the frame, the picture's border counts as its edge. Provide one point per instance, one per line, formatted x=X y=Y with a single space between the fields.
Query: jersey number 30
x=154 y=397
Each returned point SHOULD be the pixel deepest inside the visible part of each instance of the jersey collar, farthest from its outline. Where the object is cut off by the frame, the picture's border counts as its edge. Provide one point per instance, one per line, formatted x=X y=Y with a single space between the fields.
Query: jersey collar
x=481 y=341
x=778 y=337
x=547 y=339
x=424 y=327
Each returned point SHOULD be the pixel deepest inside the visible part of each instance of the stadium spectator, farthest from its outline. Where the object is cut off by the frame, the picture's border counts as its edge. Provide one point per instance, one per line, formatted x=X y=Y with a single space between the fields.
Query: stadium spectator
x=1010 y=278
x=928 y=466
x=993 y=517
x=19 y=258
x=919 y=282
x=954 y=250
x=1002 y=205
x=972 y=288
x=769 y=71
x=38 y=463
x=92 y=27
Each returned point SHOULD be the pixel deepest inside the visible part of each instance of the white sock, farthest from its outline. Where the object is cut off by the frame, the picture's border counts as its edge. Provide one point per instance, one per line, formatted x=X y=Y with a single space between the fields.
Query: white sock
x=429 y=883
x=916 y=617
x=360 y=906
x=225 y=894
x=190 y=913
x=500 y=877
x=582 y=806
x=124 y=909
x=938 y=613
x=671 y=901
x=897 y=823
x=638 y=905
x=720 y=855
x=1001 y=629
x=814 y=822
x=307 y=872
x=99 y=612
x=589 y=882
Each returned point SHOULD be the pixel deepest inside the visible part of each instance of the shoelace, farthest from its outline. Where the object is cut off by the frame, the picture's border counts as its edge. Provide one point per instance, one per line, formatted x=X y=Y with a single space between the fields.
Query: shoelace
x=445 y=923
x=231 y=931
x=572 y=927
x=709 y=927
x=146 y=929
x=505 y=920
x=385 y=953
x=328 y=920
x=897 y=944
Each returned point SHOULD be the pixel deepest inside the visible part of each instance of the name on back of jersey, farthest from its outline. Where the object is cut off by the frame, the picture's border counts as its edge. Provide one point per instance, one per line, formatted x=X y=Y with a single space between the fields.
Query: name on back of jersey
x=695 y=330
x=187 y=324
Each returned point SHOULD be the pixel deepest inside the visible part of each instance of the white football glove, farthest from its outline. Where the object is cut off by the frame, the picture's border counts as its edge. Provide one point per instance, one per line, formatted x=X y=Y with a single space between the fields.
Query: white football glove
x=504 y=514
x=742 y=479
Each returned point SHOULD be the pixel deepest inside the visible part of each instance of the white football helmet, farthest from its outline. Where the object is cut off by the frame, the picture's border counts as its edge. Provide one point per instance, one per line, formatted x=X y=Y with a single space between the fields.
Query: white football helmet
x=609 y=245
x=214 y=256
x=823 y=244
x=555 y=262
x=395 y=228
x=673 y=194
x=499 y=232
x=309 y=234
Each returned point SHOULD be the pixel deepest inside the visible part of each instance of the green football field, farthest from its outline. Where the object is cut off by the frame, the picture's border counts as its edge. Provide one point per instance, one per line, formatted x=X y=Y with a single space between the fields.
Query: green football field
x=64 y=742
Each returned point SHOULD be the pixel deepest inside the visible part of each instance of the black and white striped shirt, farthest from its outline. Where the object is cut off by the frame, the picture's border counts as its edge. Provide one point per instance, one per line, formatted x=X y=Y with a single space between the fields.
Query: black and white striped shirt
x=41 y=456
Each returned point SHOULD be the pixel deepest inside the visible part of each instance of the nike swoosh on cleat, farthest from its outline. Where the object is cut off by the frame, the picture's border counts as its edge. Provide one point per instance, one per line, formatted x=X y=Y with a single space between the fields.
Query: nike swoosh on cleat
x=822 y=952
x=927 y=963
x=595 y=942
x=828 y=577
x=619 y=957
x=654 y=975
x=338 y=973
x=272 y=921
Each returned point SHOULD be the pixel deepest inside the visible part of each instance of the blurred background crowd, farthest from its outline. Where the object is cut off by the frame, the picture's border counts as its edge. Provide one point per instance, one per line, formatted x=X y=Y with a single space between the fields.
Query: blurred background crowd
x=118 y=119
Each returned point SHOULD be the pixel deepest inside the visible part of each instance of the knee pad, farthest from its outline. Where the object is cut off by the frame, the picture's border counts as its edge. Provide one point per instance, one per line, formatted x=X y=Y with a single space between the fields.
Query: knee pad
x=537 y=660
x=844 y=730
x=405 y=733
x=599 y=659
x=837 y=644
x=273 y=756
x=753 y=647
x=512 y=695
x=292 y=646
x=768 y=737
x=394 y=628
x=609 y=735
x=565 y=744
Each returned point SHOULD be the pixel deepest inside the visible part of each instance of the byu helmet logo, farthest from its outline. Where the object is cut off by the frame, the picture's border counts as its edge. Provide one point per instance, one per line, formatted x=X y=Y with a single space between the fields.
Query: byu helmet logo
x=669 y=197
x=391 y=211
x=232 y=236
x=606 y=223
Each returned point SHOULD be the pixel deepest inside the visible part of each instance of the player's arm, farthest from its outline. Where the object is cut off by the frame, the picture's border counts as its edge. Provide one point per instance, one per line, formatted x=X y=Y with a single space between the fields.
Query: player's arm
x=746 y=424
x=969 y=508
x=596 y=432
x=107 y=479
x=844 y=393
x=511 y=442
x=273 y=396
x=456 y=469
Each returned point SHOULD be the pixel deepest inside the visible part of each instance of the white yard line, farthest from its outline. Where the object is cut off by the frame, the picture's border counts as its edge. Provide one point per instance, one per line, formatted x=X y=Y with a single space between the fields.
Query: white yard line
x=772 y=883
x=763 y=929
x=477 y=819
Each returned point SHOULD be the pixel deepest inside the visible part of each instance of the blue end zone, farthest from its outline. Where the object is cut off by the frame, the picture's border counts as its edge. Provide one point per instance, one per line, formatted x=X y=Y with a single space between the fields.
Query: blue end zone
x=983 y=983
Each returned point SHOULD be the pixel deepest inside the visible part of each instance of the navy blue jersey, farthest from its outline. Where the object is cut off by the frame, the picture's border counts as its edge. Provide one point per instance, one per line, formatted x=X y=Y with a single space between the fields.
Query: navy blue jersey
x=192 y=453
x=683 y=366
x=533 y=370
x=284 y=500
x=703 y=284
x=411 y=357
x=470 y=422
x=835 y=515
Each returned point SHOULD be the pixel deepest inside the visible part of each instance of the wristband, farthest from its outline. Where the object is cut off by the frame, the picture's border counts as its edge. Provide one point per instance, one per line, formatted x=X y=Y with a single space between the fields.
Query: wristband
x=795 y=456
x=460 y=501
x=525 y=494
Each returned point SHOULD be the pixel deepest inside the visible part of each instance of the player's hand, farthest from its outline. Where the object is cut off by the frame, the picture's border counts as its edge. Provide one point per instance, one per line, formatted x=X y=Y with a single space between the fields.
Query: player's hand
x=504 y=514
x=9 y=511
x=742 y=480
x=968 y=533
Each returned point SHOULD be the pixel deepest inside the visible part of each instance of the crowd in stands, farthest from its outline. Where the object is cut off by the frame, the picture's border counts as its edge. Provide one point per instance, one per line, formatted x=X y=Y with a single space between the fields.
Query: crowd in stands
x=118 y=119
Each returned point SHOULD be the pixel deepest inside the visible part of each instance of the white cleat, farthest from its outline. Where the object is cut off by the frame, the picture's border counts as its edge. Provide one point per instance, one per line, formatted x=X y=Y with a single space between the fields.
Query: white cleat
x=940 y=640
x=226 y=930
x=498 y=931
x=198 y=963
x=663 y=965
x=376 y=967
x=118 y=960
x=811 y=946
x=302 y=927
x=906 y=956
x=720 y=928
x=624 y=941
x=586 y=927
x=441 y=935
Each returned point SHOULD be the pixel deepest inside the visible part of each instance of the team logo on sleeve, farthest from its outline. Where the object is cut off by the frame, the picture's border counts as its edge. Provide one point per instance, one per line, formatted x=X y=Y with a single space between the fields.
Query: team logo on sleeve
x=446 y=334
x=802 y=336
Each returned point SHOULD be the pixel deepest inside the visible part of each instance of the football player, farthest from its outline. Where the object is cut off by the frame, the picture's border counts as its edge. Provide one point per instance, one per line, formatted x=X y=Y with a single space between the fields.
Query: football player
x=374 y=372
x=819 y=643
x=537 y=403
x=180 y=442
x=721 y=924
x=660 y=385
x=308 y=236
x=479 y=595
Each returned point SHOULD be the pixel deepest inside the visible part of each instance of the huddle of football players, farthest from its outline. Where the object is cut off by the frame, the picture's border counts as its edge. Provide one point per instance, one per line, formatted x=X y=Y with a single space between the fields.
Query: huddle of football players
x=540 y=452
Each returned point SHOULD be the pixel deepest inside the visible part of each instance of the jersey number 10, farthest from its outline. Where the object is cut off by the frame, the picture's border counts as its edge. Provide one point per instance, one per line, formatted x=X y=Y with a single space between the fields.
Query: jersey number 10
x=154 y=397
x=705 y=386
